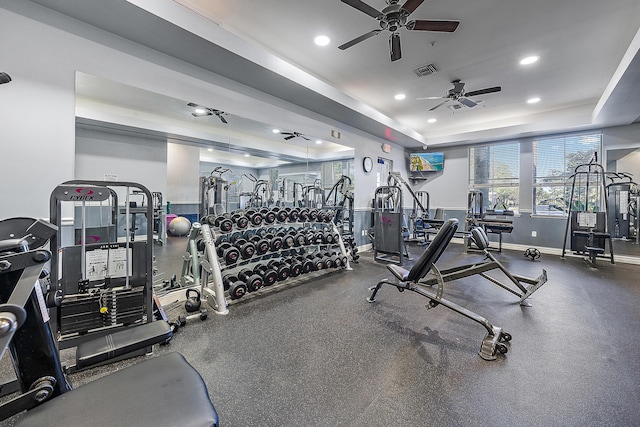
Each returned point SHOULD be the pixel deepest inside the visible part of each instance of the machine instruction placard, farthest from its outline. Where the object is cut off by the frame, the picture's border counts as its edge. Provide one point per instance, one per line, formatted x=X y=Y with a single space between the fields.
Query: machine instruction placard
x=110 y=262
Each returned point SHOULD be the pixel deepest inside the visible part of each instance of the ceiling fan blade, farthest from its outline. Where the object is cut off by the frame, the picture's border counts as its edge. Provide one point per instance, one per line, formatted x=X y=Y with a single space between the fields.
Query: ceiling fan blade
x=394 y=47
x=411 y=5
x=222 y=119
x=484 y=91
x=425 y=25
x=469 y=103
x=363 y=7
x=359 y=39
x=205 y=114
x=191 y=104
x=286 y=138
x=439 y=105
x=304 y=137
x=433 y=97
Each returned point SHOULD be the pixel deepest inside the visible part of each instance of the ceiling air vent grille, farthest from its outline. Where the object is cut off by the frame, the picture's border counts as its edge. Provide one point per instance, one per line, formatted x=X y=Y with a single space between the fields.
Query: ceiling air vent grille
x=426 y=70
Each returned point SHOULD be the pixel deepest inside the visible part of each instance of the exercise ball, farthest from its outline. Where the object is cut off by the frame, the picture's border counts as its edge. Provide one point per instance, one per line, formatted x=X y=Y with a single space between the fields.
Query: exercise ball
x=179 y=226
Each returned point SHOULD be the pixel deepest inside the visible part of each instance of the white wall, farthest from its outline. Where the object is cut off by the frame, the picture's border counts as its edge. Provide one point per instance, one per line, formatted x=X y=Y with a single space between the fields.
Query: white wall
x=37 y=118
x=631 y=164
x=131 y=159
x=183 y=174
x=448 y=189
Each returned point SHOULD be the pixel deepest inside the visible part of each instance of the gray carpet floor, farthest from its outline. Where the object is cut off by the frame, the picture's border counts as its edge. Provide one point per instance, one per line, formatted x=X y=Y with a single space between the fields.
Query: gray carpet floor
x=315 y=353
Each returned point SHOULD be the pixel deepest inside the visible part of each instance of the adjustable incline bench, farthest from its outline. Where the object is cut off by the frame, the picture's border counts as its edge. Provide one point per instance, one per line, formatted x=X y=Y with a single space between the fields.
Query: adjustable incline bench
x=411 y=280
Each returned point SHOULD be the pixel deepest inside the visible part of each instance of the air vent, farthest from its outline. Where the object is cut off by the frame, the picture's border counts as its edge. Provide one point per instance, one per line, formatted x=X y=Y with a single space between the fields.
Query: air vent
x=426 y=70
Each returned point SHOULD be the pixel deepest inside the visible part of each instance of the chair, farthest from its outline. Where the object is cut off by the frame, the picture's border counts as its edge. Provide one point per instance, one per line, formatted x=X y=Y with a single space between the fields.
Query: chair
x=495 y=340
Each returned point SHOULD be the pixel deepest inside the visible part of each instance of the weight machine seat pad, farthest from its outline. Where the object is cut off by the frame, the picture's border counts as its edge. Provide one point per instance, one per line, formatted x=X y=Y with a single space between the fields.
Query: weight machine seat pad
x=480 y=238
x=122 y=342
x=161 y=391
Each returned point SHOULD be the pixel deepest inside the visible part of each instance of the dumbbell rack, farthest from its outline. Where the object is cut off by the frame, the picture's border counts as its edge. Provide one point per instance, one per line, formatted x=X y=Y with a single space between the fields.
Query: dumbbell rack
x=252 y=254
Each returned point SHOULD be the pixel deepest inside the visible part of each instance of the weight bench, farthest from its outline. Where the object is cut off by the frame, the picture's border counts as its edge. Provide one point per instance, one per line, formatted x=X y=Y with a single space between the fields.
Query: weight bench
x=411 y=280
x=121 y=343
x=524 y=286
x=161 y=391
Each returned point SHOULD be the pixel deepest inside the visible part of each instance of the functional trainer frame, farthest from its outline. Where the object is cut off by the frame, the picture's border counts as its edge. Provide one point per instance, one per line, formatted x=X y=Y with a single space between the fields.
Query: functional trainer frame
x=411 y=280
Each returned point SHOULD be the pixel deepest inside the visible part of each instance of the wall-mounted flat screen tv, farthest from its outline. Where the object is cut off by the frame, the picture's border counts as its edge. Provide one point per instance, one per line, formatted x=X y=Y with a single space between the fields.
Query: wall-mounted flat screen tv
x=425 y=162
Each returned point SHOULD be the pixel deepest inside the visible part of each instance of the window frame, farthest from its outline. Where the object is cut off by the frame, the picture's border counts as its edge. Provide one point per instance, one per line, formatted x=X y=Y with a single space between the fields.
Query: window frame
x=554 y=182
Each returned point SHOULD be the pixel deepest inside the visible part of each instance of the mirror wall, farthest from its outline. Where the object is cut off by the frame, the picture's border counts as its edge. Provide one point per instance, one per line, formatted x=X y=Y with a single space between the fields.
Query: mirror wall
x=129 y=134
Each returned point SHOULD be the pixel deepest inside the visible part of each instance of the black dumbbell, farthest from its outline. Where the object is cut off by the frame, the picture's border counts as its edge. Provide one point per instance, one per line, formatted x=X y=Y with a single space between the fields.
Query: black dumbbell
x=269 y=217
x=329 y=215
x=228 y=280
x=320 y=215
x=299 y=239
x=282 y=215
x=304 y=215
x=229 y=253
x=295 y=267
x=269 y=277
x=225 y=224
x=316 y=259
x=255 y=218
x=247 y=249
x=200 y=244
x=275 y=242
x=281 y=268
x=235 y=236
x=294 y=214
x=262 y=245
x=327 y=261
x=237 y=290
x=241 y=220
x=288 y=241
x=222 y=238
x=313 y=215
x=253 y=281
x=307 y=264
x=327 y=237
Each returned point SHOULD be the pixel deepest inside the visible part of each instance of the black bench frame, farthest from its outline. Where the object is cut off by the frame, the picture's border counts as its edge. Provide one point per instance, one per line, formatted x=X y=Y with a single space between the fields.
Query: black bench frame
x=496 y=339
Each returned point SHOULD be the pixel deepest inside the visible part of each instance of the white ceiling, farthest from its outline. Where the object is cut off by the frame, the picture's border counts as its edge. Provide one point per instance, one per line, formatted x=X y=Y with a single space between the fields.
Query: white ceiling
x=586 y=76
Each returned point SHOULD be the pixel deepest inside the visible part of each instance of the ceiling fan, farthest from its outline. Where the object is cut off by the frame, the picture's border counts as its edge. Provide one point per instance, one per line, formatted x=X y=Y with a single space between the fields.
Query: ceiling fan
x=457 y=93
x=201 y=111
x=392 y=18
x=291 y=135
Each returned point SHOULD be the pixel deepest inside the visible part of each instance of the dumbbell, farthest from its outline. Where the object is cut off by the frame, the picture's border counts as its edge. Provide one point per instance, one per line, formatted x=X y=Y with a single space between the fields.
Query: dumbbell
x=320 y=215
x=316 y=259
x=247 y=249
x=304 y=215
x=262 y=244
x=328 y=237
x=229 y=253
x=299 y=239
x=269 y=276
x=294 y=214
x=275 y=242
x=313 y=214
x=288 y=241
x=224 y=223
x=328 y=261
x=307 y=264
x=295 y=267
x=253 y=281
x=255 y=218
x=222 y=238
x=282 y=215
x=281 y=268
x=268 y=216
x=236 y=288
x=235 y=236
x=329 y=215
x=240 y=220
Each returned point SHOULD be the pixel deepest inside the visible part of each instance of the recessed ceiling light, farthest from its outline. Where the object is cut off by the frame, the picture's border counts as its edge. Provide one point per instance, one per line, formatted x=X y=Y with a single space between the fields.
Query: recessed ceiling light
x=432 y=120
x=529 y=60
x=322 y=40
x=318 y=141
x=209 y=149
x=246 y=154
x=200 y=111
x=400 y=96
x=533 y=100
x=275 y=130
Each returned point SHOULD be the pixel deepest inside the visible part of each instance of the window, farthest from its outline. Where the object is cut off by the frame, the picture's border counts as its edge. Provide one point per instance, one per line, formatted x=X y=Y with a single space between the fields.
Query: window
x=494 y=170
x=555 y=160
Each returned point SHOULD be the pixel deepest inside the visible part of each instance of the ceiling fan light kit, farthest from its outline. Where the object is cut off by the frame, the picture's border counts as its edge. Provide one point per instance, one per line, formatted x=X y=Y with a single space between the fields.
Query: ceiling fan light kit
x=461 y=97
x=201 y=111
x=392 y=18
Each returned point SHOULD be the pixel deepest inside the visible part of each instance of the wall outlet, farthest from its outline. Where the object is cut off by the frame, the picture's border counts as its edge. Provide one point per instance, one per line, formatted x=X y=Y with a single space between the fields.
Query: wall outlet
x=534 y=233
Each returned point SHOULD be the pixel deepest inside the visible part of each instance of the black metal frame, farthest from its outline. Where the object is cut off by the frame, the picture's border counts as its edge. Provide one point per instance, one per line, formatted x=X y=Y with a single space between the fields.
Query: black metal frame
x=496 y=339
